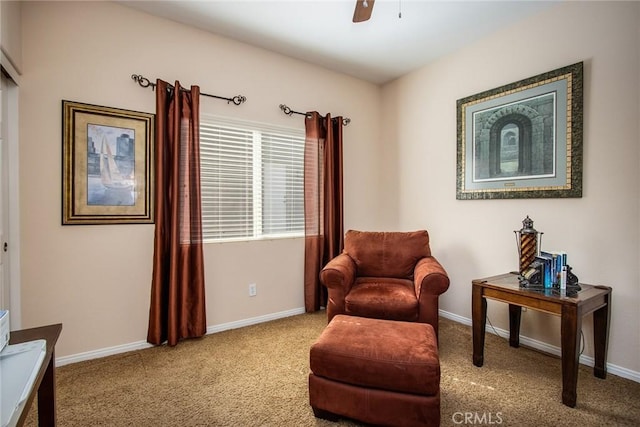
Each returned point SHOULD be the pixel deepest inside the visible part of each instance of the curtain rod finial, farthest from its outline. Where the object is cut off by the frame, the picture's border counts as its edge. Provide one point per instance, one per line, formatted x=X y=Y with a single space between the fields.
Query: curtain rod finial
x=143 y=81
x=286 y=110
x=238 y=99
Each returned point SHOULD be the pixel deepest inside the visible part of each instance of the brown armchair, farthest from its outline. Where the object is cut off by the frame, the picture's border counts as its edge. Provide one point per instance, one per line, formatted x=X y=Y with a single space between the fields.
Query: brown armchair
x=385 y=275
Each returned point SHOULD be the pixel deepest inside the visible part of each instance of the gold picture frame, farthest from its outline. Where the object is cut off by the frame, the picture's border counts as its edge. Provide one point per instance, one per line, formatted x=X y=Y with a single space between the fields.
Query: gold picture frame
x=107 y=156
x=522 y=140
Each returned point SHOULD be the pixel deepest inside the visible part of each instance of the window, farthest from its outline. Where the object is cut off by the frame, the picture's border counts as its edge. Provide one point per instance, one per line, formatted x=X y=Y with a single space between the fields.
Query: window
x=251 y=180
x=509 y=150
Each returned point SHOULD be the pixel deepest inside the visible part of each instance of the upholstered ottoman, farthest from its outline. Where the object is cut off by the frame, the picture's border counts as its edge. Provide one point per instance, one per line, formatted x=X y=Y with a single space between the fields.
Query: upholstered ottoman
x=381 y=372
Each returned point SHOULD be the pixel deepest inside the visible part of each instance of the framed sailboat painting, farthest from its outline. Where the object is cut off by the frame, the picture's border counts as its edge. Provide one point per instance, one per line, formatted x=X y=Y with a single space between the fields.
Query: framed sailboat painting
x=107 y=156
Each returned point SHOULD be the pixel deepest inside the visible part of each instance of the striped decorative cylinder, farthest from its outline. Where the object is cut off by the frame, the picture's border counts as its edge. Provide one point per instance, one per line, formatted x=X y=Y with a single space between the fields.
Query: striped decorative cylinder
x=528 y=250
x=527 y=242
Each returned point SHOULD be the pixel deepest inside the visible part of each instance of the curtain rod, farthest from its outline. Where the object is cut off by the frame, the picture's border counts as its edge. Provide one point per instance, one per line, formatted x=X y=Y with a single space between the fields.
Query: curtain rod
x=145 y=82
x=288 y=111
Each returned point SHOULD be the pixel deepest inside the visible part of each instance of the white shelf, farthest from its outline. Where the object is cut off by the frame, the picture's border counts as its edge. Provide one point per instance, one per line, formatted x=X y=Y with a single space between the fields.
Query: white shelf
x=19 y=366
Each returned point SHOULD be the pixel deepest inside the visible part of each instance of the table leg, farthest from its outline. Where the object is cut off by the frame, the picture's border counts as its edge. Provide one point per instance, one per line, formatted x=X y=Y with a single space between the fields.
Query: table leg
x=479 y=323
x=47 y=396
x=515 y=313
x=601 y=338
x=571 y=324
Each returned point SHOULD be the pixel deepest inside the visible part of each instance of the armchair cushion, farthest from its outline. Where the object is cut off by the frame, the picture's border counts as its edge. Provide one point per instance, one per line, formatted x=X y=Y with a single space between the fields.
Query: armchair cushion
x=383 y=298
x=383 y=254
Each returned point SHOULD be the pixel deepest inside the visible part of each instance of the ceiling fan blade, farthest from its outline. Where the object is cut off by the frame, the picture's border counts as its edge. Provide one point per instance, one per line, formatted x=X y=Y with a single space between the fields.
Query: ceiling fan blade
x=363 y=10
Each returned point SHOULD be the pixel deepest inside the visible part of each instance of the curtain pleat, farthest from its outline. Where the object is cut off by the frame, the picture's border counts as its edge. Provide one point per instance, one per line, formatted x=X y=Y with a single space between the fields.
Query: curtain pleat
x=177 y=309
x=323 y=202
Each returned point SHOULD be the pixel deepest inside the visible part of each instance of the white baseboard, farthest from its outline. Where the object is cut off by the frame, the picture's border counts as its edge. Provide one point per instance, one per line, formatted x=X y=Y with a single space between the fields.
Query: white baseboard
x=103 y=352
x=547 y=348
x=254 y=320
x=139 y=345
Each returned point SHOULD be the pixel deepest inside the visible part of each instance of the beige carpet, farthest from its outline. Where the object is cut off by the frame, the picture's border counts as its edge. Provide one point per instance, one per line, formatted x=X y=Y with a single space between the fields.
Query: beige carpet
x=257 y=376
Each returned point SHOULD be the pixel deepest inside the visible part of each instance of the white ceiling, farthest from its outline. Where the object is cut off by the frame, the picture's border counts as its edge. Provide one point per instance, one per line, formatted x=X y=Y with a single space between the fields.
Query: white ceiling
x=321 y=32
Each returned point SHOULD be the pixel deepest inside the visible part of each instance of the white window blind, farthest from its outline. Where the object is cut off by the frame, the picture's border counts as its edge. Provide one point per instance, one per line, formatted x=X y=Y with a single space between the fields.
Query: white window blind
x=251 y=180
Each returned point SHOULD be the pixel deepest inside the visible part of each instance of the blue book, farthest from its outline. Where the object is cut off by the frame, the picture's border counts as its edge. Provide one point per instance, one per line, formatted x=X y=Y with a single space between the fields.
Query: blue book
x=559 y=260
x=548 y=267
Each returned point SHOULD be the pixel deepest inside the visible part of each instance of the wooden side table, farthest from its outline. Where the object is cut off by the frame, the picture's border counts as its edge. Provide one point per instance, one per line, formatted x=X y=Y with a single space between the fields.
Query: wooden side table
x=571 y=308
x=45 y=383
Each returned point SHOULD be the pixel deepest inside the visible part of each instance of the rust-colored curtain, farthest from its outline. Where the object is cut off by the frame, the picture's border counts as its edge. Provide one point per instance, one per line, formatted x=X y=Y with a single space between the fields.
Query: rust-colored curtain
x=323 y=205
x=177 y=309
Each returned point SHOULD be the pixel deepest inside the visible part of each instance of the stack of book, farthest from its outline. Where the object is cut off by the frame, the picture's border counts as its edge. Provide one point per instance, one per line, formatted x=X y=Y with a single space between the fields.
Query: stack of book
x=554 y=268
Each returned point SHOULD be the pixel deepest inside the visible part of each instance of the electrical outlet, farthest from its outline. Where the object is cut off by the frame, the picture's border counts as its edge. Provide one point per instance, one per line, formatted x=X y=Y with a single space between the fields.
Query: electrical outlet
x=253 y=289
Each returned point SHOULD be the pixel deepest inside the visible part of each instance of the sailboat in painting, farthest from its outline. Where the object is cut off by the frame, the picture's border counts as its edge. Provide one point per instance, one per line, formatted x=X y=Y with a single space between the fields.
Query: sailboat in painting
x=109 y=171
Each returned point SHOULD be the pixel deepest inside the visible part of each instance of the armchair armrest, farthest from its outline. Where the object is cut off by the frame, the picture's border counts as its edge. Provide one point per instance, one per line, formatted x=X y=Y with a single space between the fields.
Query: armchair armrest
x=338 y=276
x=430 y=281
x=339 y=273
x=430 y=277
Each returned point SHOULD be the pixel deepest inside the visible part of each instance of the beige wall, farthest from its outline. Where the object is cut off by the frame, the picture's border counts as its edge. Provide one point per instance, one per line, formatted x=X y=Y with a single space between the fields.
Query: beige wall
x=96 y=279
x=400 y=175
x=474 y=239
